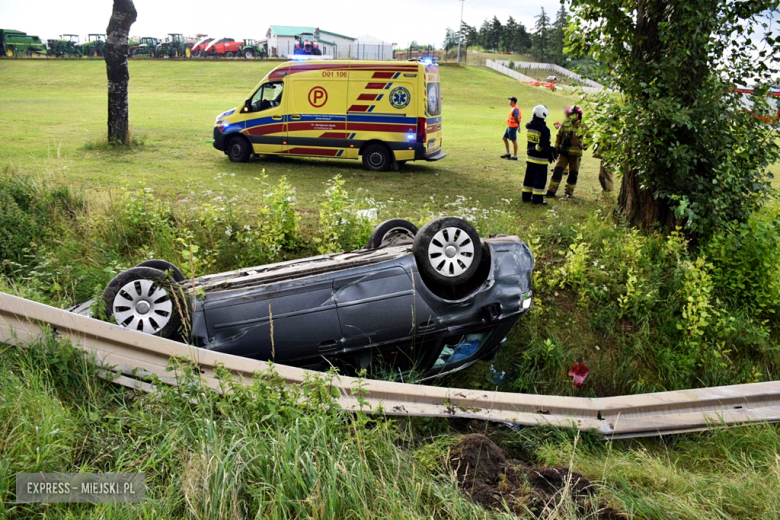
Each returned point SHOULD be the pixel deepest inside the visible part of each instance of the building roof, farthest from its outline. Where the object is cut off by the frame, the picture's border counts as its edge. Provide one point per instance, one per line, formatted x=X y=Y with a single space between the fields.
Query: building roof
x=294 y=30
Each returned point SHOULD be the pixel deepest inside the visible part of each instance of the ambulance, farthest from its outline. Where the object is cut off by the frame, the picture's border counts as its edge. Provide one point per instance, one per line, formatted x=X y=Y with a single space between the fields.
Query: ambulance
x=383 y=112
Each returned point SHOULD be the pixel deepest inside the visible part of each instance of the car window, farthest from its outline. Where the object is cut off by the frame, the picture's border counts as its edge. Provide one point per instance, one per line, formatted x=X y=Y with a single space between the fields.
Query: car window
x=268 y=96
x=460 y=348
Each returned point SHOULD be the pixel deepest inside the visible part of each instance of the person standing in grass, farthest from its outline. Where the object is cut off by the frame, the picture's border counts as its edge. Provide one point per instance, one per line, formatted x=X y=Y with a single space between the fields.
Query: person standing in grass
x=540 y=153
x=512 y=125
x=570 y=143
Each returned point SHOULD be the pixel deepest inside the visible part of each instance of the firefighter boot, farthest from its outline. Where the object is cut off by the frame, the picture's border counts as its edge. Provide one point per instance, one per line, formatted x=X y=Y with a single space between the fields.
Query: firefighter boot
x=557 y=175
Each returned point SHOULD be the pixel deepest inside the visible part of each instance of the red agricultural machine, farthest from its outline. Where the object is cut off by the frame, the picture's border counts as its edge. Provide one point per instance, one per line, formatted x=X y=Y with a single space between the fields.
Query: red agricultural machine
x=306 y=44
x=199 y=47
x=223 y=48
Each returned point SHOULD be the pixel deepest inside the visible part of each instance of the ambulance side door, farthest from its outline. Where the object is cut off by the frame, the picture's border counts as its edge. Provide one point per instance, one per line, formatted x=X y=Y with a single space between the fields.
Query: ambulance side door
x=317 y=113
x=265 y=126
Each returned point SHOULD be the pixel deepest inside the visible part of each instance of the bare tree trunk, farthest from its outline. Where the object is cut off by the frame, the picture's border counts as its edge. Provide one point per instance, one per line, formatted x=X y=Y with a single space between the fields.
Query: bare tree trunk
x=117 y=48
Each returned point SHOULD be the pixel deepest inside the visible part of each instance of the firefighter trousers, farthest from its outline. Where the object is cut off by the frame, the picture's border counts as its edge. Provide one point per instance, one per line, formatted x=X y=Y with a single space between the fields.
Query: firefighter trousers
x=534 y=183
x=566 y=161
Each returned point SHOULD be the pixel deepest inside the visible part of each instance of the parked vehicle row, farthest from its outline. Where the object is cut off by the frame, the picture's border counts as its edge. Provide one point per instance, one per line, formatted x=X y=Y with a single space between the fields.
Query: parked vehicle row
x=175 y=45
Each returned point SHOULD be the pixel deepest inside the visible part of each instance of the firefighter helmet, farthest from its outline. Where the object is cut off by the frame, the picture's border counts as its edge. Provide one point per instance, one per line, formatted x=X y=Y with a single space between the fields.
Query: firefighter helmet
x=576 y=110
x=540 y=111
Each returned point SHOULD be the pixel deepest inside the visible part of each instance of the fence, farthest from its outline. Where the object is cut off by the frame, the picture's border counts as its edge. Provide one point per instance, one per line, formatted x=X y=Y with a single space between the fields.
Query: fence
x=126 y=356
x=512 y=73
x=528 y=65
x=357 y=51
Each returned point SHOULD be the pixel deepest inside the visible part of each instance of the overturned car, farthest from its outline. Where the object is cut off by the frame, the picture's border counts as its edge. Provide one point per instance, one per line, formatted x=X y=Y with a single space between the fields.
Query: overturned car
x=425 y=302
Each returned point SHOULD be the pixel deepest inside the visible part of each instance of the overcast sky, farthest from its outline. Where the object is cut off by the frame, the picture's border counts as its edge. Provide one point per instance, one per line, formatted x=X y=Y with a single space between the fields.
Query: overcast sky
x=395 y=21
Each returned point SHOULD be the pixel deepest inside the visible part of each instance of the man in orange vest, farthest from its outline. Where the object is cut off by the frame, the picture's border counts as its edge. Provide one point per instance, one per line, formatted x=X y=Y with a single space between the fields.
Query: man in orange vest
x=512 y=125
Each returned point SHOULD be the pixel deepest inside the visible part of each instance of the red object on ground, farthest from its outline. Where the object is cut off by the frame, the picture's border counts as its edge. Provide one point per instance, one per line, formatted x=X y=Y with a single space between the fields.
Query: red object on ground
x=579 y=373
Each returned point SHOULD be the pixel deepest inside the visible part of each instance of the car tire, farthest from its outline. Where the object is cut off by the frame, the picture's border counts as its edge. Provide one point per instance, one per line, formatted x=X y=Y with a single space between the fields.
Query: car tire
x=238 y=149
x=448 y=251
x=165 y=266
x=387 y=230
x=141 y=299
x=377 y=158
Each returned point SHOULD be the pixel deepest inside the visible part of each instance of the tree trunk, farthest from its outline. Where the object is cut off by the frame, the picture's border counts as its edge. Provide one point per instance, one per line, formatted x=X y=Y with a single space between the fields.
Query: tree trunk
x=117 y=48
x=636 y=201
x=640 y=208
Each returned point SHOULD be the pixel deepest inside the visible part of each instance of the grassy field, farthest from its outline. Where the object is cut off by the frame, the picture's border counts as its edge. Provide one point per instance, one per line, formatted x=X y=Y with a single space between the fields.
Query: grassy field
x=172 y=110
x=272 y=454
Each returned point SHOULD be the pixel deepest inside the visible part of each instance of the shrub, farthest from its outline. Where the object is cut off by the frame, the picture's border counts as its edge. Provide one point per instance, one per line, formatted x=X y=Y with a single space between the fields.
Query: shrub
x=346 y=222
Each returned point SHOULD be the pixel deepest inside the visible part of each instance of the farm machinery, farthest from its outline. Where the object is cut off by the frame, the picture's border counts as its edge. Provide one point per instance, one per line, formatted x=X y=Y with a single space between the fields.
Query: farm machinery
x=18 y=43
x=67 y=45
x=199 y=47
x=306 y=44
x=223 y=48
x=175 y=46
x=251 y=49
x=146 y=48
x=95 y=46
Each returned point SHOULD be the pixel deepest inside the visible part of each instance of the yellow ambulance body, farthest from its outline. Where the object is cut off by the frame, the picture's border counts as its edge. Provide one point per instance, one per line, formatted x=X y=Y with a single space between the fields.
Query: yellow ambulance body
x=383 y=112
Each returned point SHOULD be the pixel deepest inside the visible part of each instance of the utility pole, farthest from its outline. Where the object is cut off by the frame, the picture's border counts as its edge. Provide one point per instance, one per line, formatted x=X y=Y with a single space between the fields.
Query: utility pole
x=460 y=29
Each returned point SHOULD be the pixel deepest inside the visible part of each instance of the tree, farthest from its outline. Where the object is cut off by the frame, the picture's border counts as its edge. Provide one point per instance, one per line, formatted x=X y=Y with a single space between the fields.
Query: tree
x=559 y=36
x=122 y=18
x=469 y=35
x=541 y=37
x=450 y=40
x=691 y=154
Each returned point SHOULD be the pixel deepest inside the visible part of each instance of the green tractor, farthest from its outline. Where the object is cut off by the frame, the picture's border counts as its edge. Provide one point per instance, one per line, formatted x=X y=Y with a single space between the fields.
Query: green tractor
x=67 y=45
x=95 y=46
x=146 y=48
x=252 y=49
x=18 y=43
x=173 y=47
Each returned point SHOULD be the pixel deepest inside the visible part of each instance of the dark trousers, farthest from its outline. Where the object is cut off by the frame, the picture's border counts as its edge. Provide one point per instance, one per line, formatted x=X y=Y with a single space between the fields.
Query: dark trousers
x=534 y=183
x=566 y=161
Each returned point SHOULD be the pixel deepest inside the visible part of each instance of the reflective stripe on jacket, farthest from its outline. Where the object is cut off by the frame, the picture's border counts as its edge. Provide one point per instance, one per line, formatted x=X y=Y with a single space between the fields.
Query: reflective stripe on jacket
x=538 y=150
x=570 y=138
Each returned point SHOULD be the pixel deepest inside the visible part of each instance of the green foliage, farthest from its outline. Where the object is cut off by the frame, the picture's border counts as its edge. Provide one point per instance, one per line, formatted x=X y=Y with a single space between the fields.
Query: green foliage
x=684 y=137
x=345 y=221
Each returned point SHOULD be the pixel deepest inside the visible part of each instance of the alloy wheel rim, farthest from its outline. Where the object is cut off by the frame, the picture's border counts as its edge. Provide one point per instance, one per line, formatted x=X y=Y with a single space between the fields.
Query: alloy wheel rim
x=142 y=305
x=451 y=252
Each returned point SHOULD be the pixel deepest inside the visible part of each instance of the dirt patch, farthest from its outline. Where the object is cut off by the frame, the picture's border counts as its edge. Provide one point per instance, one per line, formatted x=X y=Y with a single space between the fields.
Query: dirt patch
x=491 y=480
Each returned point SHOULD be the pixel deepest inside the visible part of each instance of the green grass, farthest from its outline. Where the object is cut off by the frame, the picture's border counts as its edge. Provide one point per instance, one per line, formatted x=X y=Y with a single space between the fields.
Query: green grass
x=52 y=109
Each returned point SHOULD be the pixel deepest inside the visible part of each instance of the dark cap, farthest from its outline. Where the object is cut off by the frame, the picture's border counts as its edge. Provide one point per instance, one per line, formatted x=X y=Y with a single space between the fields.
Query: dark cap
x=513 y=98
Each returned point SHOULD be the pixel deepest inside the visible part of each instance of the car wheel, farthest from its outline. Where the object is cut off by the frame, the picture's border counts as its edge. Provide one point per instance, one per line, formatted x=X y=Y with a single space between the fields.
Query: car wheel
x=448 y=251
x=165 y=266
x=387 y=231
x=239 y=150
x=140 y=299
x=377 y=158
x=249 y=55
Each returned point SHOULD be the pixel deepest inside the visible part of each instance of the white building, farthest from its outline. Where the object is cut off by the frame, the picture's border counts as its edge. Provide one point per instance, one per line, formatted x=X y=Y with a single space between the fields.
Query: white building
x=280 y=41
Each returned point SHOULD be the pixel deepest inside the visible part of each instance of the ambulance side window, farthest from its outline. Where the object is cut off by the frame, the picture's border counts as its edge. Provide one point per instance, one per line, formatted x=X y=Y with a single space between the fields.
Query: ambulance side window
x=268 y=96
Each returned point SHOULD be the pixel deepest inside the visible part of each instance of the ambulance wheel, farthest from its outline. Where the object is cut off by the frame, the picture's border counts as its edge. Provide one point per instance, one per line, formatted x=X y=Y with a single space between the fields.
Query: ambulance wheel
x=387 y=231
x=377 y=158
x=238 y=149
x=448 y=251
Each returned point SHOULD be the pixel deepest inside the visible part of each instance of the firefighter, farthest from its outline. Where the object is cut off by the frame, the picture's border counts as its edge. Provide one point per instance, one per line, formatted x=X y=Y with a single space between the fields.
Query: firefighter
x=569 y=142
x=539 y=154
x=512 y=126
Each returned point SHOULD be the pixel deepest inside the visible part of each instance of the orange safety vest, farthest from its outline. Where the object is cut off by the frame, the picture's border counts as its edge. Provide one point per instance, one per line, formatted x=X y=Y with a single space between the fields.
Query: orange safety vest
x=511 y=123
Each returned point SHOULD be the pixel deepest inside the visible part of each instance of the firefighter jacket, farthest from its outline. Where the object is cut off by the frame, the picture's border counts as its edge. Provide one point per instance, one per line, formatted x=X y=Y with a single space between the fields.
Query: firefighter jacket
x=572 y=138
x=539 y=150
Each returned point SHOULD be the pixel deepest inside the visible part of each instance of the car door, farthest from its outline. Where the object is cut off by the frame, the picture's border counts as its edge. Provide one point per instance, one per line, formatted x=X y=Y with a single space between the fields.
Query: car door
x=266 y=126
x=375 y=306
x=284 y=322
x=316 y=108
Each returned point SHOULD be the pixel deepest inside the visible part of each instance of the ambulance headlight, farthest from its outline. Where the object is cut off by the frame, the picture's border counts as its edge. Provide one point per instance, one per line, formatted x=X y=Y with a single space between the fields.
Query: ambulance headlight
x=219 y=122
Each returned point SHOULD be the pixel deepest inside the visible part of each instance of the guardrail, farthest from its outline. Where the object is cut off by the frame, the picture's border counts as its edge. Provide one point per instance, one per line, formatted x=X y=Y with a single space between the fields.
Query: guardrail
x=135 y=355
